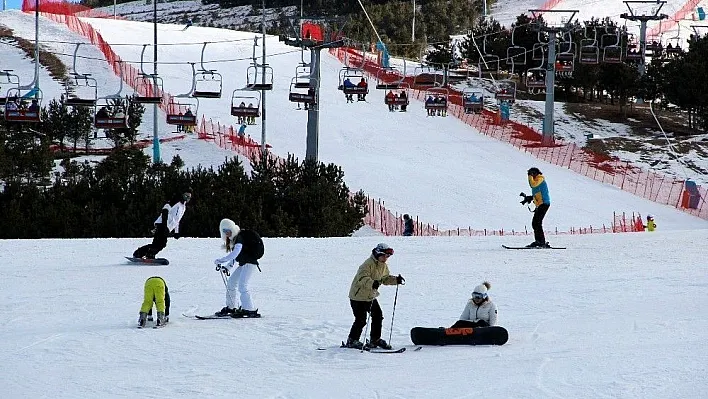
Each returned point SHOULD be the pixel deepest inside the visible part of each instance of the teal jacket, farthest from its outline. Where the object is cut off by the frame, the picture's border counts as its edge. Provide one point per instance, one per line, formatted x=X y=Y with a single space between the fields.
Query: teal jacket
x=539 y=190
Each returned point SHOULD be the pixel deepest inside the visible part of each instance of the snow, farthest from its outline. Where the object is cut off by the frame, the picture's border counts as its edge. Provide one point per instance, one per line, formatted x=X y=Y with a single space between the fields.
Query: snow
x=612 y=316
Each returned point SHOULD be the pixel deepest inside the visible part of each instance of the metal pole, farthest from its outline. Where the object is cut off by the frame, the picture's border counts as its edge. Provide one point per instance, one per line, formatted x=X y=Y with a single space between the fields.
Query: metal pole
x=413 y=26
x=550 y=92
x=642 y=46
x=155 y=138
x=263 y=92
x=114 y=9
x=313 y=114
x=36 y=44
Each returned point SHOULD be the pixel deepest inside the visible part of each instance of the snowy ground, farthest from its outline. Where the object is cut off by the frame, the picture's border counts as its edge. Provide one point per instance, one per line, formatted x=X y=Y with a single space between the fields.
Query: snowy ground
x=613 y=316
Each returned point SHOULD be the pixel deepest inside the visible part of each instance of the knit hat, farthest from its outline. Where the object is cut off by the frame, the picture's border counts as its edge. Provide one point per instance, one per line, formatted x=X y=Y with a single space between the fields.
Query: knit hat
x=534 y=172
x=650 y=217
x=481 y=290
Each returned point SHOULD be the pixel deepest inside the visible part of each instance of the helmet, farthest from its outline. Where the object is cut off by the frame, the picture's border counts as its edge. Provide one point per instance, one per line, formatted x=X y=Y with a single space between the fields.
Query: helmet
x=382 y=249
x=650 y=217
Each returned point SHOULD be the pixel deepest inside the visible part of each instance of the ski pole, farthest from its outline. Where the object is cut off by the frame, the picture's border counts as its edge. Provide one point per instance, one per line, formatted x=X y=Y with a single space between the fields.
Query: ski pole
x=368 y=318
x=393 y=315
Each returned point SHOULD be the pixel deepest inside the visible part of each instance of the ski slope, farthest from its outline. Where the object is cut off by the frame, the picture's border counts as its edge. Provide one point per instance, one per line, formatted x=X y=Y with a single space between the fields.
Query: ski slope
x=613 y=316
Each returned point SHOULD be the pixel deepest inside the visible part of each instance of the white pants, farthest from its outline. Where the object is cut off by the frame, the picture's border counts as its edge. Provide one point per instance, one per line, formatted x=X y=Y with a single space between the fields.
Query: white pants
x=240 y=277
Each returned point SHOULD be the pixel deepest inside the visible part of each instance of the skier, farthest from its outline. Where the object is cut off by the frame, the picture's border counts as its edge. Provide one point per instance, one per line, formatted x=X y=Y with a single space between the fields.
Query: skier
x=651 y=225
x=155 y=292
x=189 y=23
x=408 y=227
x=480 y=311
x=542 y=200
x=242 y=130
x=362 y=297
x=245 y=247
x=169 y=219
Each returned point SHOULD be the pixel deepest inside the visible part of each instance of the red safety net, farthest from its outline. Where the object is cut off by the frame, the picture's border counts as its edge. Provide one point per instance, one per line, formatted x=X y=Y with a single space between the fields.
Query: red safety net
x=62 y=7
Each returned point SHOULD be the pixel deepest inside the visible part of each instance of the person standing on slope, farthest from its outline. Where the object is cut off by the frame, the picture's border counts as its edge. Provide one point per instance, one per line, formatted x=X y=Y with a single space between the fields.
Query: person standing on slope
x=155 y=292
x=169 y=219
x=245 y=247
x=408 y=225
x=542 y=200
x=362 y=297
x=480 y=310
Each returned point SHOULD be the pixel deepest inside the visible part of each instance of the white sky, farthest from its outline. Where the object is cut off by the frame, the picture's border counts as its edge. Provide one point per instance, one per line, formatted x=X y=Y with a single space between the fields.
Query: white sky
x=611 y=316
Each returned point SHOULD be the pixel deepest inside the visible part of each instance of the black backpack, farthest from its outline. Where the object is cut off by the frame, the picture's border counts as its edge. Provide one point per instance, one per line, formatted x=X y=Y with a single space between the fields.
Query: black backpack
x=254 y=243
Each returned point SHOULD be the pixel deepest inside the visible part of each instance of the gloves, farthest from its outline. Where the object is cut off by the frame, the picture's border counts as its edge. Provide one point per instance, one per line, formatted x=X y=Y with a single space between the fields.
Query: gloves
x=376 y=284
x=177 y=236
x=222 y=269
x=527 y=200
x=400 y=280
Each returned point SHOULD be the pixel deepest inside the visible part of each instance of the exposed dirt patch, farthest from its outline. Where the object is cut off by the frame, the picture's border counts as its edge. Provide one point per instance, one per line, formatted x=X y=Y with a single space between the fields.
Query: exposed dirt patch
x=56 y=68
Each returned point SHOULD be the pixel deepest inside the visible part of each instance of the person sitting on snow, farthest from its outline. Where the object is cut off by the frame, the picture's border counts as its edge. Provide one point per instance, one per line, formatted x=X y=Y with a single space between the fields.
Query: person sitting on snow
x=480 y=311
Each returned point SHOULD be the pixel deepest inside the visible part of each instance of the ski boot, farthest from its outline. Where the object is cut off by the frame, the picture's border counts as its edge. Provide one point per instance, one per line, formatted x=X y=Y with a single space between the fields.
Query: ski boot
x=161 y=319
x=241 y=312
x=225 y=311
x=534 y=244
x=379 y=343
x=142 y=319
x=353 y=343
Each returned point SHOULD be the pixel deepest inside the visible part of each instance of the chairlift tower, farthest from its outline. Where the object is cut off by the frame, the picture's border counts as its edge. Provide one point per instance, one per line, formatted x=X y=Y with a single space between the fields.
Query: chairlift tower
x=315 y=45
x=643 y=19
x=553 y=29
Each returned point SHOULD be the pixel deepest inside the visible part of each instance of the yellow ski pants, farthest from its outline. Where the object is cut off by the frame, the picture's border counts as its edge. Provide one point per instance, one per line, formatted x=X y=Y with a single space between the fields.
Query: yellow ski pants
x=154 y=292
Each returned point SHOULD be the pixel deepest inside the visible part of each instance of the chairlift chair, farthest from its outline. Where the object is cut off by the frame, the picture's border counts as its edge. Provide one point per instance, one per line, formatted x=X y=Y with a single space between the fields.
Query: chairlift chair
x=182 y=111
x=398 y=100
x=440 y=99
x=148 y=89
x=23 y=108
x=589 y=54
x=489 y=63
x=425 y=76
x=388 y=79
x=85 y=91
x=612 y=54
x=7 y=78
x=300 y=96
x=207 y=84
x=472 y=100
x=354 y=76
x=632 y=49
x=302 y=76
x=539 y=51
x=255 y=77
x=506 y=91
x=536 y=79
x=515 y=54
x=111 y=113
x=246 y=105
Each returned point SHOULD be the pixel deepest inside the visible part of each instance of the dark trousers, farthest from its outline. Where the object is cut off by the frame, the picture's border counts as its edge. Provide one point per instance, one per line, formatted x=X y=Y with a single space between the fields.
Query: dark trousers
x=469 y=324
x=537 y=223
x=360 y=309
x=159 y=242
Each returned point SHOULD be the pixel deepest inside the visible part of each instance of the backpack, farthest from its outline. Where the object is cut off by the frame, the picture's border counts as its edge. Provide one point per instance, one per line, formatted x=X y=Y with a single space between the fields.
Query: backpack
x=255 y=243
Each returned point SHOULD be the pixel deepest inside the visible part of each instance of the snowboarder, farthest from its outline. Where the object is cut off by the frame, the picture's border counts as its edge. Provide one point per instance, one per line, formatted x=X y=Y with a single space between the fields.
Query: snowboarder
x=542 y=200
x=408 y=227
x=169 y=219
x=189 y=23
x=155 y=292
x=651 y=225
x=245 y=247
x=362 y=297
x=480 y=310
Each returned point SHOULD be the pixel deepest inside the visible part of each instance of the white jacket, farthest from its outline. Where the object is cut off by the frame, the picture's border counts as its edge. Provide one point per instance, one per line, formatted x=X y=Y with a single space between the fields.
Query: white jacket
x=487 y=311
x=174 y=216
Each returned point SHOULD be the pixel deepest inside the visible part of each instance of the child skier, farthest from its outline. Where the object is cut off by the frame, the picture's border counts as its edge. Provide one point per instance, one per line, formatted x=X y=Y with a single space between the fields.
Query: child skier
x=651 y=225
x=155 y=292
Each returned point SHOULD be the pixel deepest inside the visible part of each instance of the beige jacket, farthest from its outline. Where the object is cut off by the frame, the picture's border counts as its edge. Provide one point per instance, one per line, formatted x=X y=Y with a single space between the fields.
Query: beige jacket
x=370 y=270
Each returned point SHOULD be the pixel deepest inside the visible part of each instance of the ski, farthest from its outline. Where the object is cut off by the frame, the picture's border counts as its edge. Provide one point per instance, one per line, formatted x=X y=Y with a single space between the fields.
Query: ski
x=508 y=247
x=374 y=350
x=214 y=317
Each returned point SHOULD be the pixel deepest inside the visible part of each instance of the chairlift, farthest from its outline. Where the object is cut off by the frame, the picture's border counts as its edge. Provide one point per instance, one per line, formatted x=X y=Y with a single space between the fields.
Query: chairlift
x=7 y=78
x=489 y=63
x=352 y=81
x=425 y=76
x=472 y=100
x=515 y=54
x=246 y=105
x=302 y=76
x=23 y=107
x=610 y=37
x=632 y=49
x=589 y=54
x=259 y=77
x=536 y=79
x=182 y=111
x=387 y=78
x=400 y=99
x=207 y=83
x=148 y=87
x=506 y=91
x=436 y=101
x=300 y=96
x=566 y=51
x=111 y=112
x=612 y=48
x=539 y=51
x=81 y=89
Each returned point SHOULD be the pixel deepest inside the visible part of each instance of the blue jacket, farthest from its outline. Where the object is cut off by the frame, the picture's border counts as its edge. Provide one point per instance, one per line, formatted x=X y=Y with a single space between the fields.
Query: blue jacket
x=539 y=190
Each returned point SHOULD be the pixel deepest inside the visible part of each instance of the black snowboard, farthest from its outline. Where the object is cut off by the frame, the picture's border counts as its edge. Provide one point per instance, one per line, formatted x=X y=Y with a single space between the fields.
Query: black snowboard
x=494 y=335
x=156 y=261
